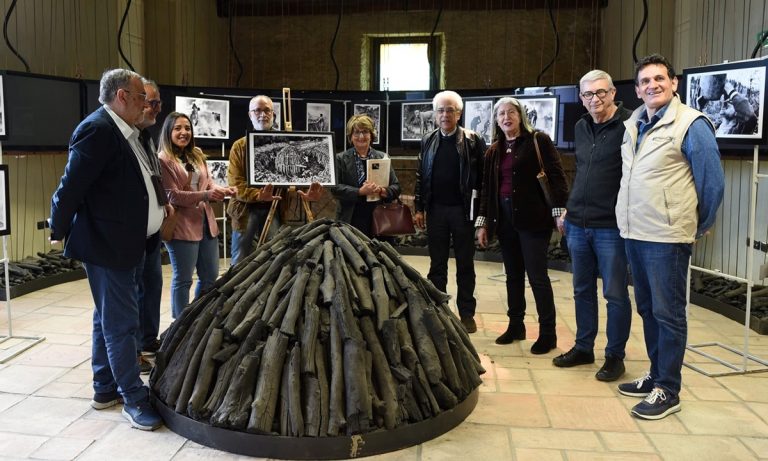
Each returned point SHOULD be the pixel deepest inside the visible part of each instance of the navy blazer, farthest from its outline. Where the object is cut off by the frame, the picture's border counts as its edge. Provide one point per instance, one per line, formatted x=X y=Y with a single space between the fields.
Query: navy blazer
x=101 y=205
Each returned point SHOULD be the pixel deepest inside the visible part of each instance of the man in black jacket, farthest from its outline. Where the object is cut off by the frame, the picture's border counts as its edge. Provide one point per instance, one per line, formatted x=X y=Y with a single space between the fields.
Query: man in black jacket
x=591 y=231
x=447 y=181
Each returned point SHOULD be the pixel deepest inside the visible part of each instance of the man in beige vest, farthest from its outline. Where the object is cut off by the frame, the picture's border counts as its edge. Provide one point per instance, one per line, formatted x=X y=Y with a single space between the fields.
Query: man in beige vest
x=671 y=187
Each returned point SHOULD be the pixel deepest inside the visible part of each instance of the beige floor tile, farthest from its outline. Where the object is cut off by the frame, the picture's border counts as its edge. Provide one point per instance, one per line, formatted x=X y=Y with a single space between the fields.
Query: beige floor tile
x=590 y=413
x=41 y=415
x=723 y=418
x=9 y=400
x=516 y=387
x=19 y=446
x=538 y=454
x=59 y=389
x=578 y=382
x=49 y=355
x=760 y=409
x=495 y=409
x=124 y=442
x=61 y=448
x=200 y=453
x=711 y=394
x=625 y=441
x=758 y=445
x=470 y=442
x=596 y=456
x=88 y=429
x=752 y=388
x=555 y=438
x=24 y=379
x=701 y=448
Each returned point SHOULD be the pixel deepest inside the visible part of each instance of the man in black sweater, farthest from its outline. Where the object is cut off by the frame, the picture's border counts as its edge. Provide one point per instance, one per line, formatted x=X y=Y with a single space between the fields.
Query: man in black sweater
x=591 y=231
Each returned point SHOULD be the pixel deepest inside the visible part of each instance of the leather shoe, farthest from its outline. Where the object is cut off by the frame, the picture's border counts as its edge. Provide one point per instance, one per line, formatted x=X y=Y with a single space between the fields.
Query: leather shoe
x=544 y=344
x=612 y=369
x=574 y=357
x=514 y=332
x=469 y=324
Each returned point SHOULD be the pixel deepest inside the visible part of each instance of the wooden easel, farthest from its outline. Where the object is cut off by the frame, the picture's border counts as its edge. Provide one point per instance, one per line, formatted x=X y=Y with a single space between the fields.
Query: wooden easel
x=287 y=123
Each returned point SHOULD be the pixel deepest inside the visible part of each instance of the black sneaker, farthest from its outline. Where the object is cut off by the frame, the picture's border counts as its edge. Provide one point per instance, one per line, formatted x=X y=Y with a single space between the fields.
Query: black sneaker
x=659 y=404
x=469 y=324
x=145 y=366
x=142 y=416
x=152 y=348
x=574 y=357
x=104 y=400
x=612 y=369
x=640 y=387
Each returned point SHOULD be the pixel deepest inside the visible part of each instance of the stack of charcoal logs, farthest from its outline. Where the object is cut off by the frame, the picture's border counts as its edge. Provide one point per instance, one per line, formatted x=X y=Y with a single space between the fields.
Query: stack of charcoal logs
x=321 y=332
x=31 y=268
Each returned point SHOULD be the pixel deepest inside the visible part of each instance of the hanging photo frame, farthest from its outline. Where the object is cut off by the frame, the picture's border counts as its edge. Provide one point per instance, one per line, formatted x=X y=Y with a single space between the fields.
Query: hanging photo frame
x=542 y=113
x=478 y=117
x=318 y=117
x=373 y=111
x=2 y=109
x=5 y=203
x=417 y=119
x=209 y=117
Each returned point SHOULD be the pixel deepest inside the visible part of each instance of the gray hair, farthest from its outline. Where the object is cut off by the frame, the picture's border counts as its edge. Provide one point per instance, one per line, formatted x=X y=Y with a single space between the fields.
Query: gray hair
x=596 y=74
x=452 y=95
x=526 y=124
x=113 y=80
x=145 y=81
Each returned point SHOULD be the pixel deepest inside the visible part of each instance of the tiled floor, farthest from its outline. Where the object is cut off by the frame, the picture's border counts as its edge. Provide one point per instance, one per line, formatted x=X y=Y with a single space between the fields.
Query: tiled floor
x=528 y=410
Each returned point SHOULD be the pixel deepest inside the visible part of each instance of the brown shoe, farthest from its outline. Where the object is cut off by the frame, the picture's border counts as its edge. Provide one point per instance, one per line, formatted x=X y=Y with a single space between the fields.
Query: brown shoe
x=469 y=324
x=145 y=366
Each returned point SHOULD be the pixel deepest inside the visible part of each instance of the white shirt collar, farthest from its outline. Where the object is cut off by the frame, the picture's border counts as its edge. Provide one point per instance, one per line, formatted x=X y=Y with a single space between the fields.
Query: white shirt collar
x=127 y=130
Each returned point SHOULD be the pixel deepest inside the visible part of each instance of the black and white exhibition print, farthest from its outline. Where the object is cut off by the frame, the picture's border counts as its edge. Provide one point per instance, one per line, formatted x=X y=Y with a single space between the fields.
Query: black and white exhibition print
x=209 y=117
x=373 y=111
x=417 y=119
x=478 y=117
x=731 y=95
x=277 y=121
x=2 y=108
x=290 y=159
x=542 y=113
x=318 y=117
x=5 y=207
x=217 y=169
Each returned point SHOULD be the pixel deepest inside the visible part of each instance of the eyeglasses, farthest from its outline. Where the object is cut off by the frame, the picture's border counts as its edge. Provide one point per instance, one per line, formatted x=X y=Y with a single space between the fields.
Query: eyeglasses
x=143 y=95
x=360 y=132
x=508 y=113
x=266 y=111
x=446 y=110
x=591 y=94
x=155 y=103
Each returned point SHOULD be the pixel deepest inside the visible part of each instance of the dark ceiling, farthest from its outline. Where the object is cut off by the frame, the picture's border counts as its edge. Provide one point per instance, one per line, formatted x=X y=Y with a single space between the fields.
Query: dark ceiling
x=317 y=7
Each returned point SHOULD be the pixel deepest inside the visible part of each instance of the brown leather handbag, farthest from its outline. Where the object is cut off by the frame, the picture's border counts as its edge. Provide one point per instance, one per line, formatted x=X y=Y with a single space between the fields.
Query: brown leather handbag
x=542 y=176
x=168 y=226
x=392 y=219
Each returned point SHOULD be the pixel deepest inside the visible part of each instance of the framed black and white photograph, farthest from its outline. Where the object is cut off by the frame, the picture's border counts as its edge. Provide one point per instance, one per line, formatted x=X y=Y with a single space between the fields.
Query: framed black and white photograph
x=373 y=111
x=732 y=97
x=277 y=121
x=217 y=169
x=5 y=203
x=318 y=116
x=2 y=108
x=290 y=158
x=542 y=113
x=478 y=117
x=209 y=117
x=417 y=119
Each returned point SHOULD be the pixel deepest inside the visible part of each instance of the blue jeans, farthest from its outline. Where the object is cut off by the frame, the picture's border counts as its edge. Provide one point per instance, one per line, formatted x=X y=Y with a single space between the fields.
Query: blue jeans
x=185 y=257
x=150 y=278
x=115 y=323
x=599 y=251
x=659 y=273
x=242 y=242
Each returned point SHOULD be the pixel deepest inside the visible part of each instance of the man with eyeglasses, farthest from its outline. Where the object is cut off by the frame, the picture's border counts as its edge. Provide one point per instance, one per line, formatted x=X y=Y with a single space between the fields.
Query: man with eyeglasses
x=589 y=225
x=106 y=207
x=447 y=183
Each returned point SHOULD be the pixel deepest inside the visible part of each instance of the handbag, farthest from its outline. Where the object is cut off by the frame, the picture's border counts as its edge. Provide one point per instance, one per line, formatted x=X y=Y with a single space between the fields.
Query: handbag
x=392 y=219
x=542 y=176
x=169 y=225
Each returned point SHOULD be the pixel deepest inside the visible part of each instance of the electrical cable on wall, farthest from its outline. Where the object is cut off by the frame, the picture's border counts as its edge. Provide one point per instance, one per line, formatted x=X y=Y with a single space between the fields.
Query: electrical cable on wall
x=431 y=48
x=5 y=35
x=232 y=45
x=120 y=34
x=557 y=43
x=640 y=31
x=760 y=41
x=333 y=44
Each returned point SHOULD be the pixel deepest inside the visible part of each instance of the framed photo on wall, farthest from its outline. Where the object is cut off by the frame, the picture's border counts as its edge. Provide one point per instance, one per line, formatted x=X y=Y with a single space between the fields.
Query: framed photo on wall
x=290 y=158
x=217 y=168
x=542 y=113
x=478 y=117
x=5 y=203
x=732 y=95
x=373 y=111
x=417 y=119
x=2 y=108
x=209 y=117
x=318 y=117
x=277 y=121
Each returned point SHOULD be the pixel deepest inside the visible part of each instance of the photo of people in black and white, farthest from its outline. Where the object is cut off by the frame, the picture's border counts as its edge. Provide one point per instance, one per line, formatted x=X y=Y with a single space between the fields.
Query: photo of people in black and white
x=218 y=171
x=290 y=159
x=209 y=117
x=418 y=119
x=373 y=111
x=732 y=99
x=542 y=113
x=318 y=117
x=478 y=117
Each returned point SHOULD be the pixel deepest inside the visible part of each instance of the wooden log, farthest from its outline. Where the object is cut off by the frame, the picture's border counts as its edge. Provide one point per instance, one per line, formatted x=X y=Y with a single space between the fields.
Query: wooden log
x=393 y=289
x=380 y=297
x=285 y=404
x=328 y=285
x=336 y=419
x=461 y=333
x=425 y=346
x=354 y=301
x=205 y=374
x=440 y=341
x=445 y=398
x=309 y=337
x=319 y=230
x=376 y=410
x=411 y=410
x=226 y=352
x=191 y=375
x=360 y=245
x=352 y=256
x=358 y=400
x=311 y=400
x=277 y=316
x=321 y=372
x=267 y=386
x=276 y=295
x=341 y=307
x=220 y=386
x=385 y=382
x=253 y=314
x=234 y=409
x=301 y=232
x=288 y=324
x=454 y=335
x=410 y=359
x=308 y=250
x=363 y=291
x=295 y=416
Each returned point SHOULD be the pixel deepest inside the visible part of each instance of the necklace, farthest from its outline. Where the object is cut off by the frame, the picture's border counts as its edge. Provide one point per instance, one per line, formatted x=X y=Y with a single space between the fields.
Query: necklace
x=509 y=144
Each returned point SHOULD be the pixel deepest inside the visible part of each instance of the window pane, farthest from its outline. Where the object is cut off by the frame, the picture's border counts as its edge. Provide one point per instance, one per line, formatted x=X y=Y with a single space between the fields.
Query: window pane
x=404 y=67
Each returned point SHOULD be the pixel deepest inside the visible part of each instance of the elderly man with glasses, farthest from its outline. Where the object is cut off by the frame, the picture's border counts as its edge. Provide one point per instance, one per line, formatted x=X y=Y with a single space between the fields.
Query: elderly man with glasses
x=447 y=183
x=590 y=228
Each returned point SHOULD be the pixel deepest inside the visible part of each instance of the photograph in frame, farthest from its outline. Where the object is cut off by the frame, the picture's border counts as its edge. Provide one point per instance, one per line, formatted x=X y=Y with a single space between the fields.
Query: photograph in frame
x=5 y=203
x=217 y=169
x=318 y=116
x=290 y=158
x=478 y=117
x=2 y=108
x=417 y=119
x=373 y=111
x=732 y=96
x=542 y=113
x=277 y=121
x=209 y=117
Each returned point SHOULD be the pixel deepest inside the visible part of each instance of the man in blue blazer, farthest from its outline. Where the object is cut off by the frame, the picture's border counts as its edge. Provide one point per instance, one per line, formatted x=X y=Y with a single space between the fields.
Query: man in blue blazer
x=107 y=209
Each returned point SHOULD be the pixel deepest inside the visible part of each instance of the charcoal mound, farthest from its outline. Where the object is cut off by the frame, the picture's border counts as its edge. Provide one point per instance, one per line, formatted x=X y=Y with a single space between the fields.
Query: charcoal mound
x=322 y=344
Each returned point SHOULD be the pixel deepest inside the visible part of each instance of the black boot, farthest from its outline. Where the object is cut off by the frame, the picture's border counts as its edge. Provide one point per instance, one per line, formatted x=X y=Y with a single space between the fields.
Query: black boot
x=545 y=343
x=514 y=331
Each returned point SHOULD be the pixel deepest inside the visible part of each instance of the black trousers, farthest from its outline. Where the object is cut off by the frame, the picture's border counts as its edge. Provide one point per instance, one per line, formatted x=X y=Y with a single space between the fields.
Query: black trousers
x=446 y=222
x=525 y=251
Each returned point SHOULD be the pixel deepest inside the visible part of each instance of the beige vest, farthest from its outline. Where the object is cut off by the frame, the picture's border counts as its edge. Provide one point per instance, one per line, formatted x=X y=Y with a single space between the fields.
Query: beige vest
x=657 y=201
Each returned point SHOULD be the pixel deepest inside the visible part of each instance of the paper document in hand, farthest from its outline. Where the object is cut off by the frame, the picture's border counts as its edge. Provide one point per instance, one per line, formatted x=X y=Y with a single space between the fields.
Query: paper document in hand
x=378 y=173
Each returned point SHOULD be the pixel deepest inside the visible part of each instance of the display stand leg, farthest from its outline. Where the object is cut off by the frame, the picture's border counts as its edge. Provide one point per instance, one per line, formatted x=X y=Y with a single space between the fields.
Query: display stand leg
x=268 y=223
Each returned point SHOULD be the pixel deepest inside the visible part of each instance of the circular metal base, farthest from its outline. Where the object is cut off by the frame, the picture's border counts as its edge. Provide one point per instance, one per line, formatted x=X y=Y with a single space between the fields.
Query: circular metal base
x=275 y=446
